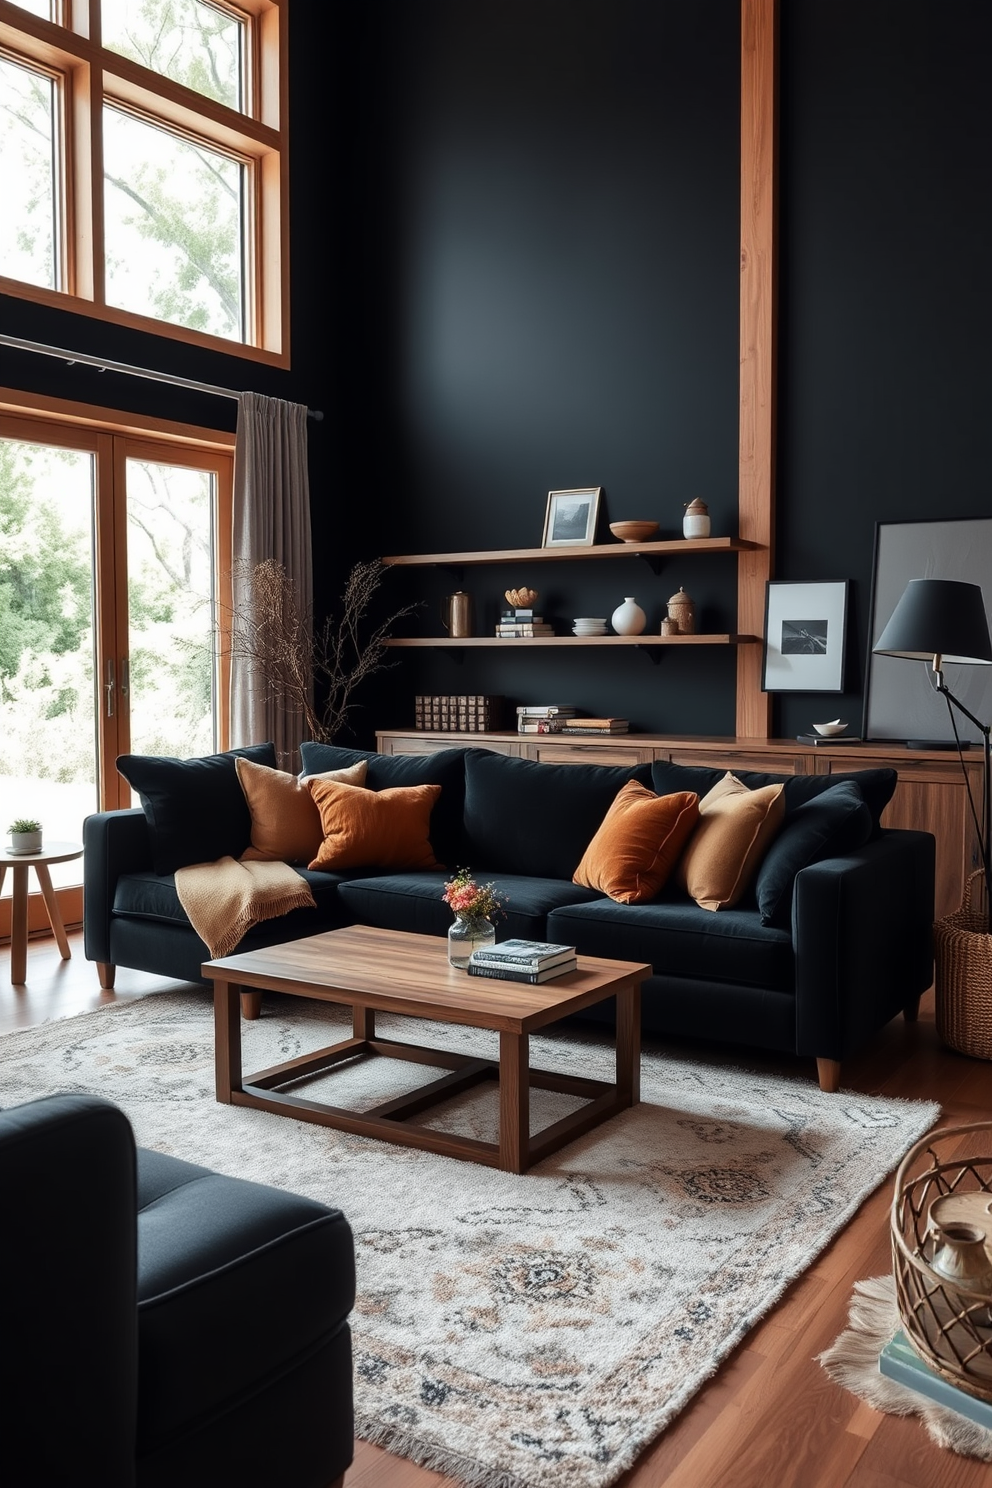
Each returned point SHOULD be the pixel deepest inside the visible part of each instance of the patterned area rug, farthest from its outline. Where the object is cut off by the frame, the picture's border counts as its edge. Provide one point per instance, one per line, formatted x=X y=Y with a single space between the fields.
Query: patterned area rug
x=517 y=1332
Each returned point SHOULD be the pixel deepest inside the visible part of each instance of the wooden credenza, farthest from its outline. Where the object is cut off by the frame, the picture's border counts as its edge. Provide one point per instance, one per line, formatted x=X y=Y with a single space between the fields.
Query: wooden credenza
x=932 y=794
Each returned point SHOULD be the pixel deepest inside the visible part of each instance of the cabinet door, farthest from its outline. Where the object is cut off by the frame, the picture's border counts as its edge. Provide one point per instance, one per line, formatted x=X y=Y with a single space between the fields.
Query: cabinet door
x=414 y=743
x=769 y=762
x=551 y=751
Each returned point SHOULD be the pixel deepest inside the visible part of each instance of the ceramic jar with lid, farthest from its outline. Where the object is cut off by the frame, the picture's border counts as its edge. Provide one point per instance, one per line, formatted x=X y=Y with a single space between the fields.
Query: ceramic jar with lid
x=682 y=610
x=696 y=522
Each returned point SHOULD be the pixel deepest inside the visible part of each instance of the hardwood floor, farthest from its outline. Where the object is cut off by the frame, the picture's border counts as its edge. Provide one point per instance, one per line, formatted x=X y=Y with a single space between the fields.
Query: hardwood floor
x=770 y=1418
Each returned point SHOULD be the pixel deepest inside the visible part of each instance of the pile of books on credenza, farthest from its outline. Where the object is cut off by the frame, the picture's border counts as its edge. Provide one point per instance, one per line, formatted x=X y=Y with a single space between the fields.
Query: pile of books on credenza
x=520 y=624
x=562 y=718
x=522 y=961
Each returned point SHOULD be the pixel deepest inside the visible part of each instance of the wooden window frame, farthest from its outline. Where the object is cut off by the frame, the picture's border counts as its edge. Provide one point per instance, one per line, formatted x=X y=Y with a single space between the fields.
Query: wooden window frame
x=92 y=76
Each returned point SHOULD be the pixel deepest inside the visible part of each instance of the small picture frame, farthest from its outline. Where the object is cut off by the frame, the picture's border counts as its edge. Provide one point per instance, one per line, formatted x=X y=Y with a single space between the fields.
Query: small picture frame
x=570 y=520
x=805 y=636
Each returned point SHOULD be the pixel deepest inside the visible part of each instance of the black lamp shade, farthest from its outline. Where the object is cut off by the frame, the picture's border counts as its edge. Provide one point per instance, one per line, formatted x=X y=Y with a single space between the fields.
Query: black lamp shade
x=938 y=617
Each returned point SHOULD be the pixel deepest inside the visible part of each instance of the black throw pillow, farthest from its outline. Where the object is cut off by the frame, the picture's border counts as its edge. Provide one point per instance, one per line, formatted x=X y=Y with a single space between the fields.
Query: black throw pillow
x=877 y=786
x=835 y=822
x=195 y=808
x=445 y=768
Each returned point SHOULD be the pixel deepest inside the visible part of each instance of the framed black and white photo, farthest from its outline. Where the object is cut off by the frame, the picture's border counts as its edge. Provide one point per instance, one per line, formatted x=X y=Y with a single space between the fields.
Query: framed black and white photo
x=805 y=636
x=570 y=520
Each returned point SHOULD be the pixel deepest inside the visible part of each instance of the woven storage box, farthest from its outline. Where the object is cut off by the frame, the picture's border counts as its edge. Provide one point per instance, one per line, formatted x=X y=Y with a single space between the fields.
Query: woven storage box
x=963 y=955
x=948 y=1326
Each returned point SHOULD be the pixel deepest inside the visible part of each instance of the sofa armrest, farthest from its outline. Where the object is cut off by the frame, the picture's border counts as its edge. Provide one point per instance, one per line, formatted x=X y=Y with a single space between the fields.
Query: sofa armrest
x=114 y=842
x=68 y=1255
x=862 y=932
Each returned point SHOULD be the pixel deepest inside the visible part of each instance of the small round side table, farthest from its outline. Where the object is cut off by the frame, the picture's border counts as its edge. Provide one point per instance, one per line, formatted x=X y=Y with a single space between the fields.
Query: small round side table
x=55 y=852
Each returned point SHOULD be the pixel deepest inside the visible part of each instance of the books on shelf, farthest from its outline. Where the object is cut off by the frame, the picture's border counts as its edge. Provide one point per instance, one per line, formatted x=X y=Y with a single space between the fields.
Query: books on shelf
x=899 y=1361
x=825 y=739
x=528 y=955
x=465 y=714
x=531 y=628
x=546 y=710
x=508 y=971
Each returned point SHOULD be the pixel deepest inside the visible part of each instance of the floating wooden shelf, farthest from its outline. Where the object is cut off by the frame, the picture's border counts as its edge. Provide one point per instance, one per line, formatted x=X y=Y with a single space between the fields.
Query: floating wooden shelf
x=521 y=642
x=558 y=555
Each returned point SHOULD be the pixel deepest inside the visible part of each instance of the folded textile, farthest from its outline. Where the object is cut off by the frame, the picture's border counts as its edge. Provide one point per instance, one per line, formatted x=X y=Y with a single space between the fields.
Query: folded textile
x=224 y=899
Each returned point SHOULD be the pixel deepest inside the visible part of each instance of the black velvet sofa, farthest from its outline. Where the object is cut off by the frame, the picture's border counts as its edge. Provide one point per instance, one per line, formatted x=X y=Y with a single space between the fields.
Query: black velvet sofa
x=164 y=1325
x=832 y=941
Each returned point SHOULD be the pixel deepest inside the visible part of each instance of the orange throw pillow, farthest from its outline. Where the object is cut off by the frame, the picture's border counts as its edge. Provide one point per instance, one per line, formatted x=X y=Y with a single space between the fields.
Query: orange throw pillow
x=736 y=827
x=373 y=829
x=638 y=843
x=285 y=822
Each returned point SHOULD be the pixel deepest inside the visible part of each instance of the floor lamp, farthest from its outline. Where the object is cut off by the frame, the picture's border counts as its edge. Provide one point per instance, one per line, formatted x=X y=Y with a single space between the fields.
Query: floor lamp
x=940 y=620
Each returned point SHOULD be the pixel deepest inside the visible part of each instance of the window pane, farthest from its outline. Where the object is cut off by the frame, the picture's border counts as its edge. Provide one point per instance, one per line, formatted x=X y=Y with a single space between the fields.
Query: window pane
x=47 y=699
x=185 y=40
x=27 y=176
x=174 y=214
x=171 y=609
x=47 y=9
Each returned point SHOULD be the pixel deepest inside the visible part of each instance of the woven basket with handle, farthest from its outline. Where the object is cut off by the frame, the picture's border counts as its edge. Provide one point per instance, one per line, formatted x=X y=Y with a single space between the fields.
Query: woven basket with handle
x=963 y=953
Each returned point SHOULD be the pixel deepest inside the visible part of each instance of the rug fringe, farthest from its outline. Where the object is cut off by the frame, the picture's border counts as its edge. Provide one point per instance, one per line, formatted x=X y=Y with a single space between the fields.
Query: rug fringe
x=402 y=1443
x=852 y=1362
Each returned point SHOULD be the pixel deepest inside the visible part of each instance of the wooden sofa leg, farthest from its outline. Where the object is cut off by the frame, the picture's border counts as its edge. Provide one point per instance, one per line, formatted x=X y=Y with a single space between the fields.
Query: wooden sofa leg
x=912 y=1010
x=106 y=972
x=829 y=1073
x=251 y=1005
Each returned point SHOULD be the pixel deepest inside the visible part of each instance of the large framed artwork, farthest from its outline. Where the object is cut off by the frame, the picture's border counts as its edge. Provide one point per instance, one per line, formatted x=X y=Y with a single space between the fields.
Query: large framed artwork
x=805 y=636
x=900 y=703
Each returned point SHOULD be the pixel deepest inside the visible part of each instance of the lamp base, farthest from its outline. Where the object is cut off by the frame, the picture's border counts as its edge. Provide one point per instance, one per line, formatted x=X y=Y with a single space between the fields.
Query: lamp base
x=937 y=744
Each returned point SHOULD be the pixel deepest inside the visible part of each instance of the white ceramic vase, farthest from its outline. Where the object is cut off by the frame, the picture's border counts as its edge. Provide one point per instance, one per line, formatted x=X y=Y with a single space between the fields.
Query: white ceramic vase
x=628 y=618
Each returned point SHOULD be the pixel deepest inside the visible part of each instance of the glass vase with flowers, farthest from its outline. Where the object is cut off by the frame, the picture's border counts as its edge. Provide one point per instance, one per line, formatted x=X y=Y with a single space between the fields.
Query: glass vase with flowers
x=474 y=907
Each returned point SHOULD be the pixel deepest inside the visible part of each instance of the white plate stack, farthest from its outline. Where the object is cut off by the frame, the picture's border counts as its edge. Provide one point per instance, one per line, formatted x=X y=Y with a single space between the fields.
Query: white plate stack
x=584 y=626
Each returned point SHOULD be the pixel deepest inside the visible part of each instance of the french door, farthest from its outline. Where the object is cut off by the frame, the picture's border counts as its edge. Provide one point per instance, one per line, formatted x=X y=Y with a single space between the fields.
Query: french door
x=114 y=588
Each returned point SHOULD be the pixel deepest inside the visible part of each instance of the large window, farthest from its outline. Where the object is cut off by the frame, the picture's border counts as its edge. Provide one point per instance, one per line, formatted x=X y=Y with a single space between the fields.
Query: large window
x=142 y=164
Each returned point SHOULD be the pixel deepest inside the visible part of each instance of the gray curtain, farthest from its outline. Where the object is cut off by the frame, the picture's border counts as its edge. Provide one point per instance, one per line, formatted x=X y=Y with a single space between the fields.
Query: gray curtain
x=271 y=520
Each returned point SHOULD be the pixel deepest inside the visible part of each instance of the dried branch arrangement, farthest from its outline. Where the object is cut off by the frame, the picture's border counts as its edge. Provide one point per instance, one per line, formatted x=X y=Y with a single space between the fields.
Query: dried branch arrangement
x=296 y=661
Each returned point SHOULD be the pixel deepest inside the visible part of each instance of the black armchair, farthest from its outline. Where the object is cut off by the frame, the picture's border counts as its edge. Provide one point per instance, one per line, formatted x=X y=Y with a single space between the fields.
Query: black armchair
x=164 y=1324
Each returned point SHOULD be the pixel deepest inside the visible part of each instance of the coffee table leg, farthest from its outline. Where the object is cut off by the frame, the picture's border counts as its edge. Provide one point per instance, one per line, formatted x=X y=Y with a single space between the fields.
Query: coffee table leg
x=19 y=925
x=227 y=1039
x=363 y=1022
x=629 y=1045
x=514 y=1102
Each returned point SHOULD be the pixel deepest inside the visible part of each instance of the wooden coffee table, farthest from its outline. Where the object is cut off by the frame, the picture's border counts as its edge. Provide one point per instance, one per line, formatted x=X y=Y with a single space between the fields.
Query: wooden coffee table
x=396 y=972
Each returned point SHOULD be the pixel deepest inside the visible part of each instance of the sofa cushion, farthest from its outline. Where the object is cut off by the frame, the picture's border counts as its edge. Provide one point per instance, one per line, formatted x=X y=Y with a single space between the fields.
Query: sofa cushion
x=835 y=822
x=876 y=786
x=681 y=940
x=373 y=829
x=151 y=896
x=260 y=1273
x=446 y=768
x=413 y=901
x=195 y=808
x=525 y=817
x=637 y=845
x=285 y=821
x=736 y=827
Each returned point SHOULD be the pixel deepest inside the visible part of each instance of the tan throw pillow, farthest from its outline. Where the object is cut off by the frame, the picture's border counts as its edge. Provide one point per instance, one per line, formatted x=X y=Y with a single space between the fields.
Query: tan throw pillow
x=285 y=822
x=374 y=829
x=736 y=827
x=638 y=843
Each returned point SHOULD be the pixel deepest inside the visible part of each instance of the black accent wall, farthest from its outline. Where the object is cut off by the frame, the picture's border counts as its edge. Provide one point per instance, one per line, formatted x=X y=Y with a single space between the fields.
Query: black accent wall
x=515 y=268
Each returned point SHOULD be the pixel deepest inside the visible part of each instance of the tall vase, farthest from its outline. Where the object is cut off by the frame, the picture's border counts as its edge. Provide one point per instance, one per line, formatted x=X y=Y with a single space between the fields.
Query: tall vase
x=466 y=934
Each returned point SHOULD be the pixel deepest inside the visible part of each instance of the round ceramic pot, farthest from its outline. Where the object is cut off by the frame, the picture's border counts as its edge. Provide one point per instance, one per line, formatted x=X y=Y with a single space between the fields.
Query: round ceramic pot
x=628 y=618
x=25 y=842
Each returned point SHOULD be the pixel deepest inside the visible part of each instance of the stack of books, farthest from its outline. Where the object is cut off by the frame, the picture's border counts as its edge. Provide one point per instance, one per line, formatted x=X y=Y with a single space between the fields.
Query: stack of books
x=523 y=961
x=522 y=624
x=900 y=1361
x=588 y=726
x=464 y=714
x=535 y=718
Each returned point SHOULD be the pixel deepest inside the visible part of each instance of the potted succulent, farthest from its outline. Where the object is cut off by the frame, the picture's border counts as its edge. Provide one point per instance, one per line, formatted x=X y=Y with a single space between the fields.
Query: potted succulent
x=25 y=835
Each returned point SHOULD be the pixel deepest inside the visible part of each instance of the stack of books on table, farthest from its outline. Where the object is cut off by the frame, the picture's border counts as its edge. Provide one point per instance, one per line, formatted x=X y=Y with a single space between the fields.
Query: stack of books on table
x=900 y=1361
x=522 y=961
x=537 y=718
x=522 y=624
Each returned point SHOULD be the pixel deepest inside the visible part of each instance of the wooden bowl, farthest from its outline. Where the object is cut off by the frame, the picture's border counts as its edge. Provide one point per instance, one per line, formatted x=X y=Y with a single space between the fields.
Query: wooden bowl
x=634 y=531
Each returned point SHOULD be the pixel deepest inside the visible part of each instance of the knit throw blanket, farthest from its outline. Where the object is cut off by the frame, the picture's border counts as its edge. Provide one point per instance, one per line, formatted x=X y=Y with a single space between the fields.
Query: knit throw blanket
x=223 y=900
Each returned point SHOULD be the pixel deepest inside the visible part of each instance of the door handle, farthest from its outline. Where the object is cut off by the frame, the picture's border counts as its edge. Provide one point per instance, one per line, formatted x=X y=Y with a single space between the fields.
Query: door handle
x=110 y=687
x=125 y=686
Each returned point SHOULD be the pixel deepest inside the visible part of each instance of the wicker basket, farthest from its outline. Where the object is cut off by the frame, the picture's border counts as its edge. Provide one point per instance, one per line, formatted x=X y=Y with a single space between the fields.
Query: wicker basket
x=963 y=953
x=948 y=1326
